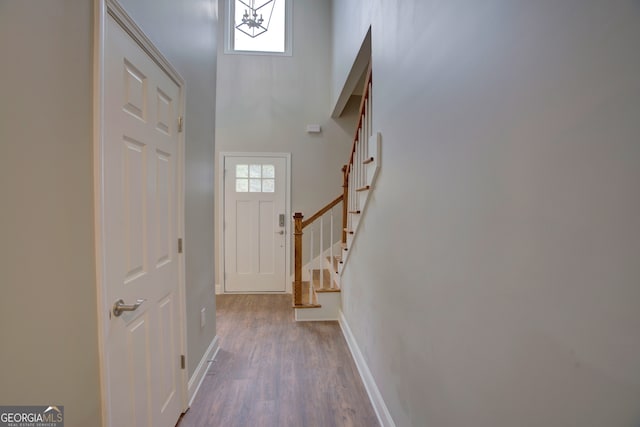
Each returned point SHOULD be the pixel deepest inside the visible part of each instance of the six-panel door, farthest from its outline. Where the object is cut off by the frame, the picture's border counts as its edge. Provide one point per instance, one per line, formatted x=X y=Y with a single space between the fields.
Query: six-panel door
x=140 y=234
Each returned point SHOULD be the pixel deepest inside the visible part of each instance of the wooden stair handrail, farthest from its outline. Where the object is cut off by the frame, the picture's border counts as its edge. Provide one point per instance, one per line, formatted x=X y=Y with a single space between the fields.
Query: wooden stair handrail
x=322 y=211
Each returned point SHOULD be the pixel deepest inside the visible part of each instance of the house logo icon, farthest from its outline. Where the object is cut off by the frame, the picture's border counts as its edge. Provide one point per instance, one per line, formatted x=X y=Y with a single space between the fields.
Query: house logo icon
x=53 y=408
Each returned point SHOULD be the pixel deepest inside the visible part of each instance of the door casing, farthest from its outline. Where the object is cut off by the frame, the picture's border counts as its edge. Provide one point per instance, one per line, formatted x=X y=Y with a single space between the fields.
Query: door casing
x=103 y=8
x=222 y=156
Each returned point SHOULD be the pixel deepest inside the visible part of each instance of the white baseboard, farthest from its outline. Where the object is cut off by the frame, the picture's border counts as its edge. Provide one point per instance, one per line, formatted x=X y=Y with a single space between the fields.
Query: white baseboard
x=382 y=412
x=218 y=289
x=198 y=375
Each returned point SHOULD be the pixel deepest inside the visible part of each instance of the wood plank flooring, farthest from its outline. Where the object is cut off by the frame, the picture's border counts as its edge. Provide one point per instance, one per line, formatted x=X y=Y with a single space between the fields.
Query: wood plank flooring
x=272 y=371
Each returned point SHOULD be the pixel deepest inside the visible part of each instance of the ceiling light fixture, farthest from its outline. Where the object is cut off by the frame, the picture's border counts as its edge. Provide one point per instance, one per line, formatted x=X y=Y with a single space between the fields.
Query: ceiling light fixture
x=253 y=23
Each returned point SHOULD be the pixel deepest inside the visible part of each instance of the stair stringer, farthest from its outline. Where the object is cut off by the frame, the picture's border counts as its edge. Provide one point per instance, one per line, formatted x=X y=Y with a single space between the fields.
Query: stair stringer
x=372 y=170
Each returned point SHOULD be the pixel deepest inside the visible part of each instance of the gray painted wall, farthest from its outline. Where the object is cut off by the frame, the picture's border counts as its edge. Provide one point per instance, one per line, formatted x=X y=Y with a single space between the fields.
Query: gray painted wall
x=264 y=104
x=48 y=323
x=48 y=320
x=497 y=280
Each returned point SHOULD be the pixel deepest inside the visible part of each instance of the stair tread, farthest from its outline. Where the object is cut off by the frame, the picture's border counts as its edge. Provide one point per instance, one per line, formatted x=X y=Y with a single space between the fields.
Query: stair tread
x=328 y=290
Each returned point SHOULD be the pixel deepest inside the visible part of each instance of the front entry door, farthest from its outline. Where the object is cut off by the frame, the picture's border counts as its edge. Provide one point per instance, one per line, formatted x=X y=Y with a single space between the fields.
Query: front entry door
x=255 y=224
x=140 y=220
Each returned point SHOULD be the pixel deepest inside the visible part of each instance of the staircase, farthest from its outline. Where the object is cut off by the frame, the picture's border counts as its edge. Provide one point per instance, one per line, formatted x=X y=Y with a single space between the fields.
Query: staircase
x=316 y=289
x=326 y=242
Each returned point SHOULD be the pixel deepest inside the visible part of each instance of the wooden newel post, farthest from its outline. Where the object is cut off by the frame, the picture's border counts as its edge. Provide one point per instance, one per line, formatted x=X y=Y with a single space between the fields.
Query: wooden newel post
x=345 y=202
x=297 y=273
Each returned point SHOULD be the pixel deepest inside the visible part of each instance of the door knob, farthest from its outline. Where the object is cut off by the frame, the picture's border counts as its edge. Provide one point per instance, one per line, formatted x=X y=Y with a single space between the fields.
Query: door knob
x=119 y=306
x=281 y=232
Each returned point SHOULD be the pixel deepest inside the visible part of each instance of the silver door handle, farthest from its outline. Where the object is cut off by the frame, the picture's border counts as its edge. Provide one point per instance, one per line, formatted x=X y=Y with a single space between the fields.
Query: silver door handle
x=281 y=232
x=119 y=306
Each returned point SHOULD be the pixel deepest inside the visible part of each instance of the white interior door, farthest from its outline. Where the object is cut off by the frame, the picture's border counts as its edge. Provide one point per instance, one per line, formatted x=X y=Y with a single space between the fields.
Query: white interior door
x=255 y=224
x=140 y=220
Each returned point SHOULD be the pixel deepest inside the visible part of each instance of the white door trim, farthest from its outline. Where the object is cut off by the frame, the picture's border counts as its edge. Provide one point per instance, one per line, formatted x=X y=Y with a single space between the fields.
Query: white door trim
x=104 y=8
x=221 y=239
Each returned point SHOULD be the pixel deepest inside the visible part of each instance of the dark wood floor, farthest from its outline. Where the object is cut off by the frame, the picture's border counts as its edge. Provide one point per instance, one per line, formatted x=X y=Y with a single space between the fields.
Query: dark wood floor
x=272 y=371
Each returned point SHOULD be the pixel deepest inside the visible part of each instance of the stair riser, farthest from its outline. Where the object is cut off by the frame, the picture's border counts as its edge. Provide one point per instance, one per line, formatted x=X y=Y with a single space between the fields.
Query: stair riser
x=331 y=304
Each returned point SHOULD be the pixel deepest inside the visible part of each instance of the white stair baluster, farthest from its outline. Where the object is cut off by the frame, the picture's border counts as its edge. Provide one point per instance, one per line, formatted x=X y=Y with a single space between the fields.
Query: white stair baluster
x=356 y=160
x=360 y=165
x=311 y=267
x=331 y=247
x=365 y=125
x=370 y=100
x=369 y=118
x=349 y=199
x=354 y=201
x=352 y=193
x=360 y=144
x=320 y=258
x=363 y=145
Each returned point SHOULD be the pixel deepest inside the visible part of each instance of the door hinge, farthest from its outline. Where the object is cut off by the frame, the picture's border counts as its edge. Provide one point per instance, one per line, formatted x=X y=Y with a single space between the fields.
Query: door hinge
x=183 y=362
x=180 y=245
x=180 y=123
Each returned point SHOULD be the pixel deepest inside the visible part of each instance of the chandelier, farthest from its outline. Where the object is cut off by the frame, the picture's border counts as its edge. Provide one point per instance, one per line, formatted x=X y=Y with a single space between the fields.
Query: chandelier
x=253 y=21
